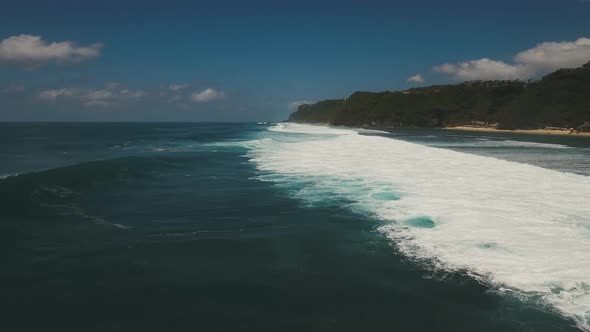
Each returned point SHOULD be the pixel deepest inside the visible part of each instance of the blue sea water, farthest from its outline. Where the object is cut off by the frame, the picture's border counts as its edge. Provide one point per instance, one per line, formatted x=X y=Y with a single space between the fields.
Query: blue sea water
x=214 y=227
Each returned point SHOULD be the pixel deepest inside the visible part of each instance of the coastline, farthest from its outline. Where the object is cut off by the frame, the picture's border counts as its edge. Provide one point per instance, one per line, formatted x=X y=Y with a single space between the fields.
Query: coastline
x=520 y=131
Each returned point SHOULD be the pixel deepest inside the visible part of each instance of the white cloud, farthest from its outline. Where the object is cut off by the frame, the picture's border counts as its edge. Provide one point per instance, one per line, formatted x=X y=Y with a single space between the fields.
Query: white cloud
x=101 y=98
x=133 y=94
x=554 y=55
x=543 y=58
x=446 y=68
x=485 y=69
x=207 y=95
x=91 y=97
x=34 y=51
x=98 y=95
x=416 y=79
x=177 y=86
x=55 y=93
x=295 y=105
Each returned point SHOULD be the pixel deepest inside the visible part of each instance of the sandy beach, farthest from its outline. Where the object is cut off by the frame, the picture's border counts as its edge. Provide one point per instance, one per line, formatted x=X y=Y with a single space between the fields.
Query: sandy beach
x=520 y=131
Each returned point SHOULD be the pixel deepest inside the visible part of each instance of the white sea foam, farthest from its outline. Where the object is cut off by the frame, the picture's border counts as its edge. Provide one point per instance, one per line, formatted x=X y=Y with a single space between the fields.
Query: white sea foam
x=310 y=129
x=521 y=227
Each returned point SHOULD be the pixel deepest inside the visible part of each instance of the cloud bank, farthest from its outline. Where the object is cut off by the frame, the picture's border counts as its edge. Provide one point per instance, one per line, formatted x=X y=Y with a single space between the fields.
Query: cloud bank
x=116 y=94
x=32 y=51
x=543 y=58
x=91 y=97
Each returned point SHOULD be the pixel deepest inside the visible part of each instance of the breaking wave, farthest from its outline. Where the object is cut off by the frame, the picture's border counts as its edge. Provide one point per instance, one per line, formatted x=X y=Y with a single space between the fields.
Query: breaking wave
x=523 y=228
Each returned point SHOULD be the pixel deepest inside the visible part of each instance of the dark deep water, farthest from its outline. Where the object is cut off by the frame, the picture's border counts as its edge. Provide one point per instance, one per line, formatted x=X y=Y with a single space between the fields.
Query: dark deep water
x=163 y=227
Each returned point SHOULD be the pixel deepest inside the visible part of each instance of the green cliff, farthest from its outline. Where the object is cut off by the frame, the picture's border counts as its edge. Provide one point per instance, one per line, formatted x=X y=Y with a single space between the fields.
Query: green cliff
x=560 y=99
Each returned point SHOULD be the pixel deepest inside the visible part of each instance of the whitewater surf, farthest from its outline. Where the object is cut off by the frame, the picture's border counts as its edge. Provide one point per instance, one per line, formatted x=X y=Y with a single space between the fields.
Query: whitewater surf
x=519 y=227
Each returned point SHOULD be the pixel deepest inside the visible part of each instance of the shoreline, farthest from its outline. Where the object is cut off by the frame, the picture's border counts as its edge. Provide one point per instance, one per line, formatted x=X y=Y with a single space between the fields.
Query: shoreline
x=543 y=132
x=520 y=131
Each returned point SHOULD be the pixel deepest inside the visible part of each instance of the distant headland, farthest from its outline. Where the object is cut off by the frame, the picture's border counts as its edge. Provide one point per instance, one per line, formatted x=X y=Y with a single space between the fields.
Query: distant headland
x=558 y=103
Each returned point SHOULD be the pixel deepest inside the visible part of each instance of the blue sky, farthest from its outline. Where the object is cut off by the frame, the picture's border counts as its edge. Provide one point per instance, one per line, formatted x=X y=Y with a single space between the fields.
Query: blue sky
x=254 y=60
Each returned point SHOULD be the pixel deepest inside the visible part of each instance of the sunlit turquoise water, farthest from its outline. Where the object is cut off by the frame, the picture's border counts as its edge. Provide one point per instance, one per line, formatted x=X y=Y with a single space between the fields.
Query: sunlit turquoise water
x=172 y=227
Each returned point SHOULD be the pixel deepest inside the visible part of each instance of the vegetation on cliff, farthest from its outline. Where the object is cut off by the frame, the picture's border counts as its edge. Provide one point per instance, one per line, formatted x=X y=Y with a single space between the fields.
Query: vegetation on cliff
x=560 y=99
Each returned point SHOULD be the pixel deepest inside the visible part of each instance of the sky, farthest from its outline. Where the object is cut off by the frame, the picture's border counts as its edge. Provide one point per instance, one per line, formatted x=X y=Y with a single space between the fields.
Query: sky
x=258 y=60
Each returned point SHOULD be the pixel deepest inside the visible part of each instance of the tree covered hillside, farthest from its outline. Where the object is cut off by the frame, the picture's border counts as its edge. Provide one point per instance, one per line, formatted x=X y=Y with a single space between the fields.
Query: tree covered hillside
x=559 y=99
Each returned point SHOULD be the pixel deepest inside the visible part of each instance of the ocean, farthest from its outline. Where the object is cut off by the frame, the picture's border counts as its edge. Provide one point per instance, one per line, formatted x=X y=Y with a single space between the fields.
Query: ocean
x=288 y=227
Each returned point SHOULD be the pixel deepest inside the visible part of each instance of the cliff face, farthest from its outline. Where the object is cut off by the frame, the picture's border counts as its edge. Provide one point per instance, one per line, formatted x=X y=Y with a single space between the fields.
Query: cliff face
x=560 y=99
